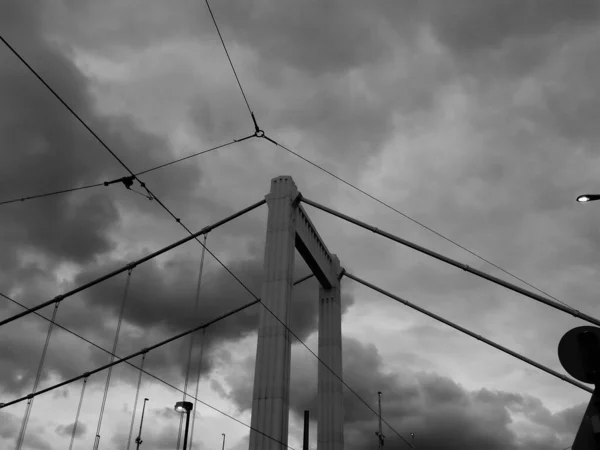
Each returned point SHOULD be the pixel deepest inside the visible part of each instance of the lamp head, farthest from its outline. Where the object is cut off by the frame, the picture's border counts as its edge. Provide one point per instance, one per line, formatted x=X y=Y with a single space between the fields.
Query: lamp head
x=181 y=407
x=588 y=198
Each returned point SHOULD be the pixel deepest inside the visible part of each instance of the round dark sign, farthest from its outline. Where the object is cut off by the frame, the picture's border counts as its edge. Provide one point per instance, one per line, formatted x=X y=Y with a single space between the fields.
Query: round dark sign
x=579 y=353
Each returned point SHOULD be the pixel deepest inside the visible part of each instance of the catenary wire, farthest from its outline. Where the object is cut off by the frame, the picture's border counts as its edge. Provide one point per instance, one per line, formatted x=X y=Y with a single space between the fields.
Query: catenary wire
x=229 y=58
x=145 y=351
x=107 y=183
x=387 y=205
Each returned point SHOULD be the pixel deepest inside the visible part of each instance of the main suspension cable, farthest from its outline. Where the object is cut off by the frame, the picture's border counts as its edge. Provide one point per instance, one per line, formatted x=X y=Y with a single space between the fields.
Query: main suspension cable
x=470 y=333
x=129 y=266
x=452 y=262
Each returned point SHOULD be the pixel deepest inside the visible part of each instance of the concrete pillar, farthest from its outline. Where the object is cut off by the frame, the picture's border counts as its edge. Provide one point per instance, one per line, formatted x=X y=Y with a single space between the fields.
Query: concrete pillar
x=270 y=400
x=330 y=429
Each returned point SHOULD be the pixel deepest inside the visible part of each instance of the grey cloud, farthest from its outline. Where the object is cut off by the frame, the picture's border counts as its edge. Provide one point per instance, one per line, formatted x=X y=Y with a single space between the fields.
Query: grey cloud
x=440 y=412
x=160 y=302
x=67 y=430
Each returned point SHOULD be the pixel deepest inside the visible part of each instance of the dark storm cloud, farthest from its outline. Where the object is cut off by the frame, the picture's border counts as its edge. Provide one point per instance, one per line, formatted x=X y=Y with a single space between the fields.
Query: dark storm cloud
x=45 y=149
x=160 y=302
x=440 y=412
x=67 y=430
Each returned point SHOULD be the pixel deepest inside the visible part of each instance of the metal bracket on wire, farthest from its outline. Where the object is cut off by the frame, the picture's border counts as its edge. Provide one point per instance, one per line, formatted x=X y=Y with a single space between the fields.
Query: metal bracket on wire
x=128 y=182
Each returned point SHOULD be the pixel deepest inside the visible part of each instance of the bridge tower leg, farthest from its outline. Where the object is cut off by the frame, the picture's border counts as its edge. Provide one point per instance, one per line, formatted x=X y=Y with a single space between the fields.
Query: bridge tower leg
x=270 y=399
x=330 y=429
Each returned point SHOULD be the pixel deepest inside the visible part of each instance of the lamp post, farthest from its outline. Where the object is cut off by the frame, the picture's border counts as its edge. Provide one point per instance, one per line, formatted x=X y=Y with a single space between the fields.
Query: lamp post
x=138 y=440
x=223 y=448
x=588 y=198
x=185 y=407
x=412 y=443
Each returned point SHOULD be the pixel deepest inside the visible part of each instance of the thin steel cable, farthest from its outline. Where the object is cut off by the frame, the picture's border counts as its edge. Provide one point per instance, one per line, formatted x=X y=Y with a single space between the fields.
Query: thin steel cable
x=191 y=346
x=153 y=347
x=133 y=264
x=107 y=183
x=135 y=402
x=74 y=432
x=381 y=202
x=229 y=58
x=112 y=358
x=197 y=384
x=38 y=376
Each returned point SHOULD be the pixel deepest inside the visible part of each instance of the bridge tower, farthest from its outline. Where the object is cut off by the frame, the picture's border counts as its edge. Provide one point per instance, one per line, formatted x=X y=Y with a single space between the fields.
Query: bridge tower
x=289 y=228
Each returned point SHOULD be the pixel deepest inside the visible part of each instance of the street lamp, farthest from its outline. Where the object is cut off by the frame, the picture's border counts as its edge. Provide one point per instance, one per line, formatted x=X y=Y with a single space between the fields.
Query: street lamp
x=138 y=440
x=223 y=448
x=588 y=198
x=185 y=407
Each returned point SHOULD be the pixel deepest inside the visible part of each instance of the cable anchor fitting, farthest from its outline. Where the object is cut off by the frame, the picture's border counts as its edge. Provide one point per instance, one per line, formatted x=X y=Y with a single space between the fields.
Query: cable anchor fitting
x=257 y=131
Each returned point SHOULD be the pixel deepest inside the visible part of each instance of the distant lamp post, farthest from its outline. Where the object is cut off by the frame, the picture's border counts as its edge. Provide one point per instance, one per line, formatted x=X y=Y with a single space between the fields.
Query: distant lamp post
x=412 y=443
x=223 y=448
x=185 y=407
x=138 y=440
x=588 y=198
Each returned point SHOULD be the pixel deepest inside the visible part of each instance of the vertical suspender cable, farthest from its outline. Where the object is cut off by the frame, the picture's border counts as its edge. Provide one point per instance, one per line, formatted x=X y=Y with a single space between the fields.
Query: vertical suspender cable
x=37 y=380
x=189 y=361
x=197 y=385
x=74 y=432
x=137 y=393
x=112 y=358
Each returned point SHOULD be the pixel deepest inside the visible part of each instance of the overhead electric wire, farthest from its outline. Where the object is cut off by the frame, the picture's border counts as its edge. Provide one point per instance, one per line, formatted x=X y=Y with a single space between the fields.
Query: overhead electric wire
x=230 y=61
x=107 y=183
x=133 y=264
x=470 y=333
x=381 y=202
x=143 y=352
x=457 y=264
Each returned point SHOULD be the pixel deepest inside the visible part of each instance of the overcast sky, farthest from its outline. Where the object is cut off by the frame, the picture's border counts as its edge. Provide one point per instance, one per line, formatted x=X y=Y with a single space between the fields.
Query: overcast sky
x=476 y=118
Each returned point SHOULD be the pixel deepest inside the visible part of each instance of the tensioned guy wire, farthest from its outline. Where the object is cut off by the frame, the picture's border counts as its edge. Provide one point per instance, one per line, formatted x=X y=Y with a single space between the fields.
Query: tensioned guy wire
x=112 y=358
x=137 y=393
x=191 y=346
x=38 y=376
x=76 y=423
